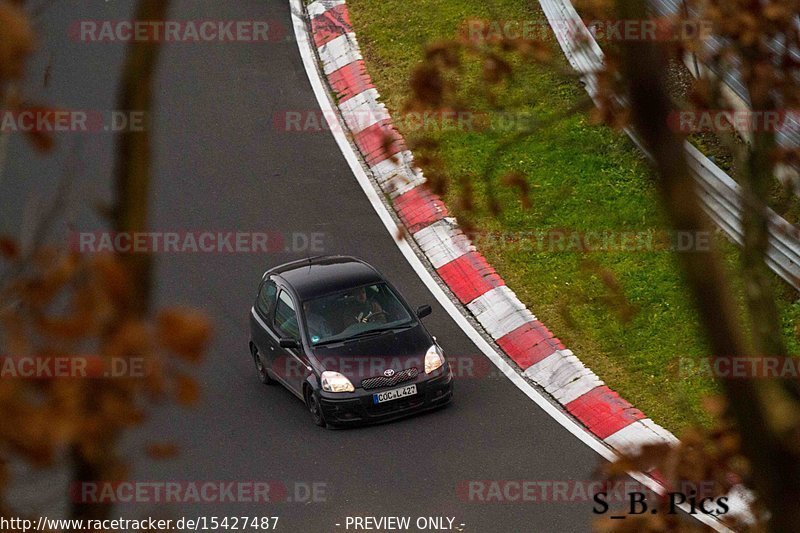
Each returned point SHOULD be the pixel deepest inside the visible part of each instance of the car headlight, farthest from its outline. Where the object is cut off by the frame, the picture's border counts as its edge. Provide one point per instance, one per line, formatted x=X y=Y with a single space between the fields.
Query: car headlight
x=434 y=358
x=335 y=382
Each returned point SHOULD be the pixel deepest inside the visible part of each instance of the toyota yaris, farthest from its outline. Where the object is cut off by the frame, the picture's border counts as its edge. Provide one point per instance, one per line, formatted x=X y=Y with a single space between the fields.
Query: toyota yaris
x=336 y=333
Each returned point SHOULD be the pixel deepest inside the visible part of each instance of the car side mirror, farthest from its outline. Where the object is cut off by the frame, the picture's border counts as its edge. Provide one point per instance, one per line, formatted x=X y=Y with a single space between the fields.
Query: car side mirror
x=289 y=343
x=423 y=311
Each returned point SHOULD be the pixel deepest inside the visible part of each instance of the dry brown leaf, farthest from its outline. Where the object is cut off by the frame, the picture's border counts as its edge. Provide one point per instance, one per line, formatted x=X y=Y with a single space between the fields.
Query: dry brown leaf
x=9 y=249
x=187 y=391
x=17 y=42
x=162 y=450
x=185 y=332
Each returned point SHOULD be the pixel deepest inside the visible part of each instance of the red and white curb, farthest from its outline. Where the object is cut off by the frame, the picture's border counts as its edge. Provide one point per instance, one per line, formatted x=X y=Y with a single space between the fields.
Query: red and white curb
x=538 y=355
x=537 y=352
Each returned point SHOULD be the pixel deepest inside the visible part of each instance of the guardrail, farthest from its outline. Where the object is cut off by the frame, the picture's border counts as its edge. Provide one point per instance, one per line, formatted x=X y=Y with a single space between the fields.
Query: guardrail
x=719 y=194
x=789 y=136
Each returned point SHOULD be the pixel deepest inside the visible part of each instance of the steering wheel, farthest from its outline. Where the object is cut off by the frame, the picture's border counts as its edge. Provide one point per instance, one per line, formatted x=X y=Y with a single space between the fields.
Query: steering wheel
x=370 y=317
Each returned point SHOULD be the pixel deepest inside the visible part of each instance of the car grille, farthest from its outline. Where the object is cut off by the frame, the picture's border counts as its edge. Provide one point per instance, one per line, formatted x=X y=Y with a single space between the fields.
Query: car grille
x=382 y=381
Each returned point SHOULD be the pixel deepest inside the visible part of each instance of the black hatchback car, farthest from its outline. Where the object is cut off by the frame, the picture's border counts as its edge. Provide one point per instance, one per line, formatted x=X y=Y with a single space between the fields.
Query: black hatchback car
x=336 y=333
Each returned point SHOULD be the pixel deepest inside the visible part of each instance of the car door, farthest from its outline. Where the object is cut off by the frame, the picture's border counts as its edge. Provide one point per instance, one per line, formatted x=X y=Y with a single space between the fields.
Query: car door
x=291 y=364
x=264 y=308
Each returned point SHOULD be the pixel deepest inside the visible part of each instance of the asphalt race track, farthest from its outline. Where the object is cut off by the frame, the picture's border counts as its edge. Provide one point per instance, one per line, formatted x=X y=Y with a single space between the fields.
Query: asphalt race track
x=220 y=164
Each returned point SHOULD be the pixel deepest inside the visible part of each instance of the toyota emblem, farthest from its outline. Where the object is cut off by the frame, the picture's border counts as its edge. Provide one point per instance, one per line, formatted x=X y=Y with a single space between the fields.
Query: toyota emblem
x=388 y=372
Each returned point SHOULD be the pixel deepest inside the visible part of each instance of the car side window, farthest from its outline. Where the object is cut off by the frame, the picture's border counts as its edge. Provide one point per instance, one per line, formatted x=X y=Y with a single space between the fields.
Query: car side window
x=265 y=303
x=286 y=317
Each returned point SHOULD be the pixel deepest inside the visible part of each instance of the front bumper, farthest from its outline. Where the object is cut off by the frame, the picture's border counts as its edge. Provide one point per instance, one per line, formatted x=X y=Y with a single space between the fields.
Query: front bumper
x=358 y=407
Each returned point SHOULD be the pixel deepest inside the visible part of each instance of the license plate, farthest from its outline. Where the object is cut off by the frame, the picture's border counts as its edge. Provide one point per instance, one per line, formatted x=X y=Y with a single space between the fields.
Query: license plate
x=394 y=394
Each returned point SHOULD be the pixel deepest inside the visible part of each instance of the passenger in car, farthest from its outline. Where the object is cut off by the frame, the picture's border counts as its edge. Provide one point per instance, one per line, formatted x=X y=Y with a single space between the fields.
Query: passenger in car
x=318 y=327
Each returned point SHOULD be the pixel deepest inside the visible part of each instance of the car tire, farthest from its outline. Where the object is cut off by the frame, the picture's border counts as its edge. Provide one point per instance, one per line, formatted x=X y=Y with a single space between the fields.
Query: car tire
x=314 y=409
x=261 y=369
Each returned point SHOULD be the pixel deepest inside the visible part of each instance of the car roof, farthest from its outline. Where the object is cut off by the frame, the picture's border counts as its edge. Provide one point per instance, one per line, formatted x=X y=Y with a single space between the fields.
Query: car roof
x=317 y=276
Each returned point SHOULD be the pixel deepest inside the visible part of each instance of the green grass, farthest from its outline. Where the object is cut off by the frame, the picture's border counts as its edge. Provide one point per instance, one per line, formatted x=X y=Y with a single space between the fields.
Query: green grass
x=582 y=177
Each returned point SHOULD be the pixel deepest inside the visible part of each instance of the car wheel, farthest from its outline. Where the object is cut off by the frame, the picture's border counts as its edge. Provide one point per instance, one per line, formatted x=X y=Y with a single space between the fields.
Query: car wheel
x=312 y=403
x=263 y=375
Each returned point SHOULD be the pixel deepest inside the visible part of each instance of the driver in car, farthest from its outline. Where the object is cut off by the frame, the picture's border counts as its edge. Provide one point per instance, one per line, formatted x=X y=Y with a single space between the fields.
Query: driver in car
x=365 y=309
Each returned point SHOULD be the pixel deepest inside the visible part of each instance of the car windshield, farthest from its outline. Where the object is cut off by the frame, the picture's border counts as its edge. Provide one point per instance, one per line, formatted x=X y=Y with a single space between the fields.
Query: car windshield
x=354 y=313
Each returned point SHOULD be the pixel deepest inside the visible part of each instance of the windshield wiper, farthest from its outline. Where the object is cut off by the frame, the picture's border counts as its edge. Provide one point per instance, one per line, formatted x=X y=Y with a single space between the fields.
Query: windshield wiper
x=356 y=336
x=332 y=340
x=376 y=331
x=367 y=333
